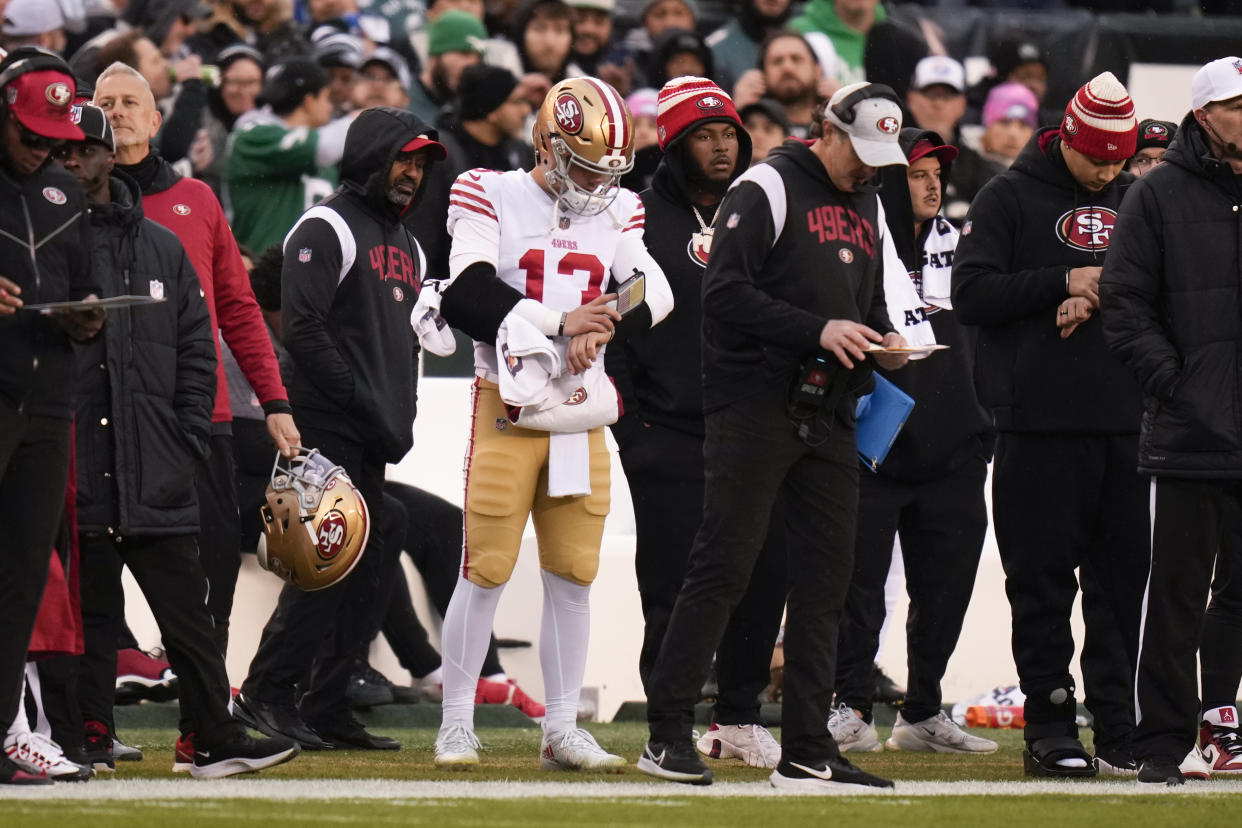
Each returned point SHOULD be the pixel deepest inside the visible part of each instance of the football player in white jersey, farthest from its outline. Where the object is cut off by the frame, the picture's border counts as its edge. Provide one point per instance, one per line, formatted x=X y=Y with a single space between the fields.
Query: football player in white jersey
x=531 y=257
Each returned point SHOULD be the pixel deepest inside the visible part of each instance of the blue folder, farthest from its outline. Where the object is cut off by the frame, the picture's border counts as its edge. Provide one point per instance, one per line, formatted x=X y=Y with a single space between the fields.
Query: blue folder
x=880 y=415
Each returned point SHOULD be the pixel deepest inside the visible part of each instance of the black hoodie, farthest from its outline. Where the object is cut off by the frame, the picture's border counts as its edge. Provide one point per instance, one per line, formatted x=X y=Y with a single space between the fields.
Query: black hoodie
x=947 y=426
x=1026 y=228
x=1172 y=306
x=659 y=370
x=144 y=422
x=350 y=280
x=767 y=297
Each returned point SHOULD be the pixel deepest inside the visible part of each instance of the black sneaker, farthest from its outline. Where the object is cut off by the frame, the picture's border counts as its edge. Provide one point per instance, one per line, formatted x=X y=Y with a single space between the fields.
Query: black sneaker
x=242 y=755
x=276 y=720
x=1160 y=770
x=675 y=761
x=97 y=746
x=368 y=687
x=824 y=775
x=887 y=691
x=349 y=733
x=1115 y=759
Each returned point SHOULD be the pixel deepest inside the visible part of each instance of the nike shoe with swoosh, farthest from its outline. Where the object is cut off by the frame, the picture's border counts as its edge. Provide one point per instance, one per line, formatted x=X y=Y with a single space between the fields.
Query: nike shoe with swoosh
x=825 y=775
x=675 y=761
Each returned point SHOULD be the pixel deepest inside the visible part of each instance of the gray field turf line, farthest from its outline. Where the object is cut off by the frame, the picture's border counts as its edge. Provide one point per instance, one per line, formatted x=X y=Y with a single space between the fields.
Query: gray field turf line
x=156 y=790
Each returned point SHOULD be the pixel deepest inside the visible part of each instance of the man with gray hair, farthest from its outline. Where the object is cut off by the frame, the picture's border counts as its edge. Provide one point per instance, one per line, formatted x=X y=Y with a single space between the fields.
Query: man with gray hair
x=189 y=209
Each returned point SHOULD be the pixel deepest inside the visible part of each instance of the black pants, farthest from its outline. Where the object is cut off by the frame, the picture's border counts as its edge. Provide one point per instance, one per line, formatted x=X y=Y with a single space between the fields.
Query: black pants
x=1061 y=503
x=1220 y=649
x=752 y=458
x=168 y=571
x=1191 y=523
x=432 y=538
x=34 y=468
x=664 y=470
x=941 y=524
x=58 y=697
x=322 y=633
x=216 y=484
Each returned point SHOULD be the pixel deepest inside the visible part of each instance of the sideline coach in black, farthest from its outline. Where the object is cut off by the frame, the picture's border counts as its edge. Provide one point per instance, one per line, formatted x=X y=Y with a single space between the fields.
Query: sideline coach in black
x=796 y=268
x=1169 y=296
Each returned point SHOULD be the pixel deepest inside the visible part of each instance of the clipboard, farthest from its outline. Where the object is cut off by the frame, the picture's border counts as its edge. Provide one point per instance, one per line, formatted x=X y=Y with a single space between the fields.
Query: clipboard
x=908 y=349
x=111 y=302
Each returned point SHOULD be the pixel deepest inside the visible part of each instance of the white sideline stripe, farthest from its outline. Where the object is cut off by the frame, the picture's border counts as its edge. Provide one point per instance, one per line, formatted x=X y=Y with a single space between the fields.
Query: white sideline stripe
x=154 y=791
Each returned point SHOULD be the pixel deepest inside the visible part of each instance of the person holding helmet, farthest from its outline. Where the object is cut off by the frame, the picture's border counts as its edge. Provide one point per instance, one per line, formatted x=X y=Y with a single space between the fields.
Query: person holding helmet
x=141 y=425
x=45 y=247
x=793 y=296
x=351 y=275
x=530 y=258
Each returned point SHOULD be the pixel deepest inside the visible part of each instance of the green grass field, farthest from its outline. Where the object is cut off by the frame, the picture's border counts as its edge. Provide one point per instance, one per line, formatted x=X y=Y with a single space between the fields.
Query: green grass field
x=387 y=788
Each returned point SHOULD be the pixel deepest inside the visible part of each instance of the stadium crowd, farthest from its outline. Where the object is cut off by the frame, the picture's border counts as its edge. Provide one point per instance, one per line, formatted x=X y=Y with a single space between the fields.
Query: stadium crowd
x=317 y=195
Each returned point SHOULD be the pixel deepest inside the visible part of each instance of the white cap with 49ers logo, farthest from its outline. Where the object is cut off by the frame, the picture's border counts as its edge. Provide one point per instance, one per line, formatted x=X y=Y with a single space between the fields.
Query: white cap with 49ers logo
x=872 y=122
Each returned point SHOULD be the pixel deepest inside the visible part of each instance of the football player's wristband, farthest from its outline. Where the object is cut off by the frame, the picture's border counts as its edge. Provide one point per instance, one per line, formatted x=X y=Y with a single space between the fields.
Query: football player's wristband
x=560 y=331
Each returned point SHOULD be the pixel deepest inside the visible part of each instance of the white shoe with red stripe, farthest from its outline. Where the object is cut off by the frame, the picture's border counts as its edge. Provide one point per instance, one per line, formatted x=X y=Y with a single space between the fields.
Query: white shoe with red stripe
x=1220 y=741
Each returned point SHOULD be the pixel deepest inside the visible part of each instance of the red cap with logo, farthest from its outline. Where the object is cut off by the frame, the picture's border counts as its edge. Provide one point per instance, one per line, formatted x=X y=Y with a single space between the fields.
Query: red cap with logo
x=41 y=102
x=435 y=150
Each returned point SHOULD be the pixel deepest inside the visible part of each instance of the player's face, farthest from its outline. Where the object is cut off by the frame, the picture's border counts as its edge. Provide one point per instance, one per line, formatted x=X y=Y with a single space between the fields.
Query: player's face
x=1092 y=174
x=405 y=176
x=713 y=148
x=588 y=180
x=923 y=176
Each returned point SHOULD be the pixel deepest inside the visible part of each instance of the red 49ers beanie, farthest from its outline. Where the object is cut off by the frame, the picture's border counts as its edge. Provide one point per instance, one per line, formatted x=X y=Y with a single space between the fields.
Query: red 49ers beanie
x=1099 y=121
x=688 y=101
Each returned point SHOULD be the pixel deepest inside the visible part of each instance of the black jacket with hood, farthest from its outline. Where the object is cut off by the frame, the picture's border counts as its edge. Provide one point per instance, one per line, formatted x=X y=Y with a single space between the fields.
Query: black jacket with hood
x=772 y=285
x=1172 y=307
x=45 y=244
x=147 y=383
x=1026 y=228
x=659 y=370
x=948 y=426
x=351 y=276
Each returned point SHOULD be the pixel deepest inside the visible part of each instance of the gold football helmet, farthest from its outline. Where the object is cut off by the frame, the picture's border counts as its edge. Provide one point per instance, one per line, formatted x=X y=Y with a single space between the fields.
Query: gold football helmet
x=584 y=122
x=315 y=522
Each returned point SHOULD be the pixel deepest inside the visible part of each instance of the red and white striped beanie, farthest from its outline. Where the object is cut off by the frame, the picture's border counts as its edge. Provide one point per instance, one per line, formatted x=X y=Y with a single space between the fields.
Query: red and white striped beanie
x=1099 y=121
x=687 y=101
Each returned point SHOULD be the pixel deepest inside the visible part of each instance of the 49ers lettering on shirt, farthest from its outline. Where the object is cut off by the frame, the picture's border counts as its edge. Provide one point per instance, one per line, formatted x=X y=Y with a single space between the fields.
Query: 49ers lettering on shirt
x=561 y=264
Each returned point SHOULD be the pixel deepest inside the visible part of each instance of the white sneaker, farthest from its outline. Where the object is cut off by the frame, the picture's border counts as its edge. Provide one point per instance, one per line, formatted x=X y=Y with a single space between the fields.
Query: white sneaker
x=851 y=733
x=1194 y=766
x=751 y=743
x=457 y=748
x=35 y=753
x=939 y=734
x=576 y=749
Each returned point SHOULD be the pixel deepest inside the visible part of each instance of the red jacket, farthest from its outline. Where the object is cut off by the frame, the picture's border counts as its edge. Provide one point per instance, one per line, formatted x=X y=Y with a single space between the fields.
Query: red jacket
x=190 y=209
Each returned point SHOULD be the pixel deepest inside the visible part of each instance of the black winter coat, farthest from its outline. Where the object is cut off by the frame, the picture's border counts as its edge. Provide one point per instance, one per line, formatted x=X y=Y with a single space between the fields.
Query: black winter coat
x=659 y=371
x=1025 y=229
x=1171 y=295
x=45 y=247
x=147 y=384
x=350 y=279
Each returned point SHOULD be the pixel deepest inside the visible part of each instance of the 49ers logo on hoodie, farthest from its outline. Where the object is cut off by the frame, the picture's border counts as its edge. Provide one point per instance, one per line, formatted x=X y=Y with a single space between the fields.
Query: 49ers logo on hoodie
x=1087 y=228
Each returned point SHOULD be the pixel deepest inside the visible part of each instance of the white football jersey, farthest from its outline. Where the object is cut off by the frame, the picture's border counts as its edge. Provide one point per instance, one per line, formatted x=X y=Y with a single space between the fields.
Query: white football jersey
x=561 y=260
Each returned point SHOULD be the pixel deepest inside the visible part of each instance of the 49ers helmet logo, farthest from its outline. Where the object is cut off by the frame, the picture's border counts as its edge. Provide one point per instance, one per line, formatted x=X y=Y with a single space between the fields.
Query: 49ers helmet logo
x=888 y=125
x=331 y=537
x=568 y=113
x=709 y=103
x=58 y=94
x=1087 y=228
